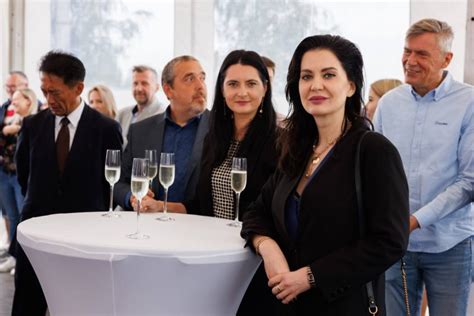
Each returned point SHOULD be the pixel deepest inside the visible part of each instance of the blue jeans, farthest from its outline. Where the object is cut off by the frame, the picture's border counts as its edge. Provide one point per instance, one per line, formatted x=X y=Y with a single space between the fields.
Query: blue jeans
x=446 y=276
x=12 y=199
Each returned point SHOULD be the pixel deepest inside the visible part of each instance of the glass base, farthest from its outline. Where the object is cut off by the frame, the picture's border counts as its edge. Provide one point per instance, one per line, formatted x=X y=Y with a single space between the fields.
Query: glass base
x=138 y=236
x=112 y=215
x=235 y=224
x=165 y=218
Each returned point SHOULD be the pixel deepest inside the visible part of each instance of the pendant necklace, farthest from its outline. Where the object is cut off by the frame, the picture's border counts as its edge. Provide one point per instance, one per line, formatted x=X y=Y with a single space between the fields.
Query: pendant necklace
x=317 y=156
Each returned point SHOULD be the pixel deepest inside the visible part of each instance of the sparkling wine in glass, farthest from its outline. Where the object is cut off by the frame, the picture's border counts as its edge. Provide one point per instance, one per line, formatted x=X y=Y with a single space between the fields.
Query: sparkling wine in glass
x=238 y=178
x=139 y=186
x=167 y=171
x=150 y=154
x=112 y=175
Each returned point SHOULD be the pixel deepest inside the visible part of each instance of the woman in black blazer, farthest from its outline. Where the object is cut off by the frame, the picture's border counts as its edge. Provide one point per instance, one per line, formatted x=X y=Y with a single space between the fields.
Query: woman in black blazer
x=305 y=222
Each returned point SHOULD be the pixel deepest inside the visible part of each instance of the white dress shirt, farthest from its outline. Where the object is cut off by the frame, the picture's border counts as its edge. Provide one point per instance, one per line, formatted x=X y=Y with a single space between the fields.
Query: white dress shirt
x=73 y=118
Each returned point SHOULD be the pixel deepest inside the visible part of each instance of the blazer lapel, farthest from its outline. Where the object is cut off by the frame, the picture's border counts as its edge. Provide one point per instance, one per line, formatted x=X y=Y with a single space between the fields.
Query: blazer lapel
x=80 y=140
x=49 y=139
x=282 y=192
x=196 y=153
x=158 y=144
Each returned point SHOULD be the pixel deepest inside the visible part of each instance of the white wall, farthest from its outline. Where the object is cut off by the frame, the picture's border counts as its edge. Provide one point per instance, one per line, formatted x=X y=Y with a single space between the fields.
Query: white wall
x=454 y=12
x=469 y=60
x=4 y=53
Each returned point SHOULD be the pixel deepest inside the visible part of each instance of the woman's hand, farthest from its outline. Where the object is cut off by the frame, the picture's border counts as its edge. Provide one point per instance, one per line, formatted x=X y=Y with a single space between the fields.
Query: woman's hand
x=11 y=129
x=288 y=285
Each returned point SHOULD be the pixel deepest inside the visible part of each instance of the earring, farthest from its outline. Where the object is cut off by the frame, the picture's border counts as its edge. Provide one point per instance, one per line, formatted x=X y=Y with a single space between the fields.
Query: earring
x=261 y=108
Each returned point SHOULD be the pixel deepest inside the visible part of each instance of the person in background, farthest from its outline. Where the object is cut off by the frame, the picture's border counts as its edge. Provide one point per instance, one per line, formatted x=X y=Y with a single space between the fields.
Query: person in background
x=102 y=99
x=377 y=90
x=15 y=80
x=271 y=68
x=24 y=103
x=304 y=224
x=430 y=119
x=144 y=88
x=270 y=64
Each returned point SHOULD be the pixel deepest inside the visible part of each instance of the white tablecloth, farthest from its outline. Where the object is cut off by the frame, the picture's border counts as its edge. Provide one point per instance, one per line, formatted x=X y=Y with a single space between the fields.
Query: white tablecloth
x=192 y=266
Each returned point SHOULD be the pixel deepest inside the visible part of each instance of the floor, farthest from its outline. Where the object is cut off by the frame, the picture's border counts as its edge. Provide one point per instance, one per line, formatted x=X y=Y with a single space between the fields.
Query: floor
x=7 y=286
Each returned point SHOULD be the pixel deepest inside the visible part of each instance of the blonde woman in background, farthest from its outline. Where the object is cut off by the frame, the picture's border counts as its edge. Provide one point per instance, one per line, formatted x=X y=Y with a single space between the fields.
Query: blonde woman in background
x=102 y=100
x=377 y=90
x=24 y=103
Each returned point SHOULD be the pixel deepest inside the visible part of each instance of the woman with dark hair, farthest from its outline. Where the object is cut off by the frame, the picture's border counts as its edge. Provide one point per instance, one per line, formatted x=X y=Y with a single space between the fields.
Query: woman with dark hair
x=242 y=124
x=305 y=222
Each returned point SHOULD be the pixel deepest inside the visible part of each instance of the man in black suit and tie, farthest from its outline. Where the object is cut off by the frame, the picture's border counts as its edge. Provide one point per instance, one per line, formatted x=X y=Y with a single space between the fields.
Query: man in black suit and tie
x=180 y=130
x=60 y=162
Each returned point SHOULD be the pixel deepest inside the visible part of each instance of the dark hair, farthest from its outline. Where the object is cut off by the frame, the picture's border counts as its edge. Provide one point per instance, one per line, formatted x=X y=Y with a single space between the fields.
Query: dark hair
x=167 y=76
x=269 y=63
x=63 y=65
x=221 y=129
x=301 y=130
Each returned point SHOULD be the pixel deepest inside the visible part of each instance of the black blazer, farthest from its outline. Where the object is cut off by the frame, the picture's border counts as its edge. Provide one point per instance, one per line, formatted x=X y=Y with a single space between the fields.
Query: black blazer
x=148 y=134
x=261 y=163
x=82 y=187
x=328 y=239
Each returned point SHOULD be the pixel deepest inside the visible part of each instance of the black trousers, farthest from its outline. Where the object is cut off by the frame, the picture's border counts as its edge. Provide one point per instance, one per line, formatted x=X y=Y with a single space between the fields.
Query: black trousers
x=29 y=299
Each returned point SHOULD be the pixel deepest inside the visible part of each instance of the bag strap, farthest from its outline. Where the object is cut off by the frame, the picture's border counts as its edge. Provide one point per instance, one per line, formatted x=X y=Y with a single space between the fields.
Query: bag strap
x=373 y=309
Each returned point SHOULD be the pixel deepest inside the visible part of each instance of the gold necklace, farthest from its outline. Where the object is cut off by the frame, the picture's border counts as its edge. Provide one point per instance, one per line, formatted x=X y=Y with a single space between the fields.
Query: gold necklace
x=317 y=156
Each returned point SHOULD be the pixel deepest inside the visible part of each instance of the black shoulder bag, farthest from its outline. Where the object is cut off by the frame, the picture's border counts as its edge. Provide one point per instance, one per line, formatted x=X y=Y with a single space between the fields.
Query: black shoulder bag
x=373 y=308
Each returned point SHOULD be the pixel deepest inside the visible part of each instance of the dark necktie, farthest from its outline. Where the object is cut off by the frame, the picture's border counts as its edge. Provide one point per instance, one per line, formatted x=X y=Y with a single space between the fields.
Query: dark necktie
x=62 y=144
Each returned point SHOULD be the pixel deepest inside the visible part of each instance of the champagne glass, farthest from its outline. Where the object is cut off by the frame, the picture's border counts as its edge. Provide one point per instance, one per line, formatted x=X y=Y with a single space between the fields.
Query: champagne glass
x=166 y=179
x=238 y=178
x=150 y=154
x=139 y=186
x=112 y=175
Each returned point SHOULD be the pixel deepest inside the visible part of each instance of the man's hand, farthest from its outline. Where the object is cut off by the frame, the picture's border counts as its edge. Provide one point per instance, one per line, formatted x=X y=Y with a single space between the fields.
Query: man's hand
x=133 y=200
x=150 y=205
x=413 y=223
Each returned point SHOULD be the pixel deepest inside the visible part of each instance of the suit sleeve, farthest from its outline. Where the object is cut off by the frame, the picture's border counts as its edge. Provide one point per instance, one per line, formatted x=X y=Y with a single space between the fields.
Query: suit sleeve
x=22 y=156
x=385 y=198
x=122 y=188
x=258 y=218
x=202 y=192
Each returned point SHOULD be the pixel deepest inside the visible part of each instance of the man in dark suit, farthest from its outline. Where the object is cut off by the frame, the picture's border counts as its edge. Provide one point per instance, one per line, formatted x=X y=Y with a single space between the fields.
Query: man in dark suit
x=179 y=130
x=60 y=162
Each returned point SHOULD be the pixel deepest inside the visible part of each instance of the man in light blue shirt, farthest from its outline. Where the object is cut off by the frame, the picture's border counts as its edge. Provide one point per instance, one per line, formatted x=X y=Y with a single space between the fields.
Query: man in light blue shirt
x=430 y=121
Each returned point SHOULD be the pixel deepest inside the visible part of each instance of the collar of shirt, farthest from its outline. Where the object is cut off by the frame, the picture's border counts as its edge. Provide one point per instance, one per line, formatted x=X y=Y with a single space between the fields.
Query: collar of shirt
x=169 y=119
x=437 y=93
x=73 y=118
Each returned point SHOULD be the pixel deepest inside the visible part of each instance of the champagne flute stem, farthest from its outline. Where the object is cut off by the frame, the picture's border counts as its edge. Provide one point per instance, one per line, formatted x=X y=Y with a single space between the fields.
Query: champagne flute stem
x=111 y=198
x=138 y=216
x=165 y=202
x=237 y=199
